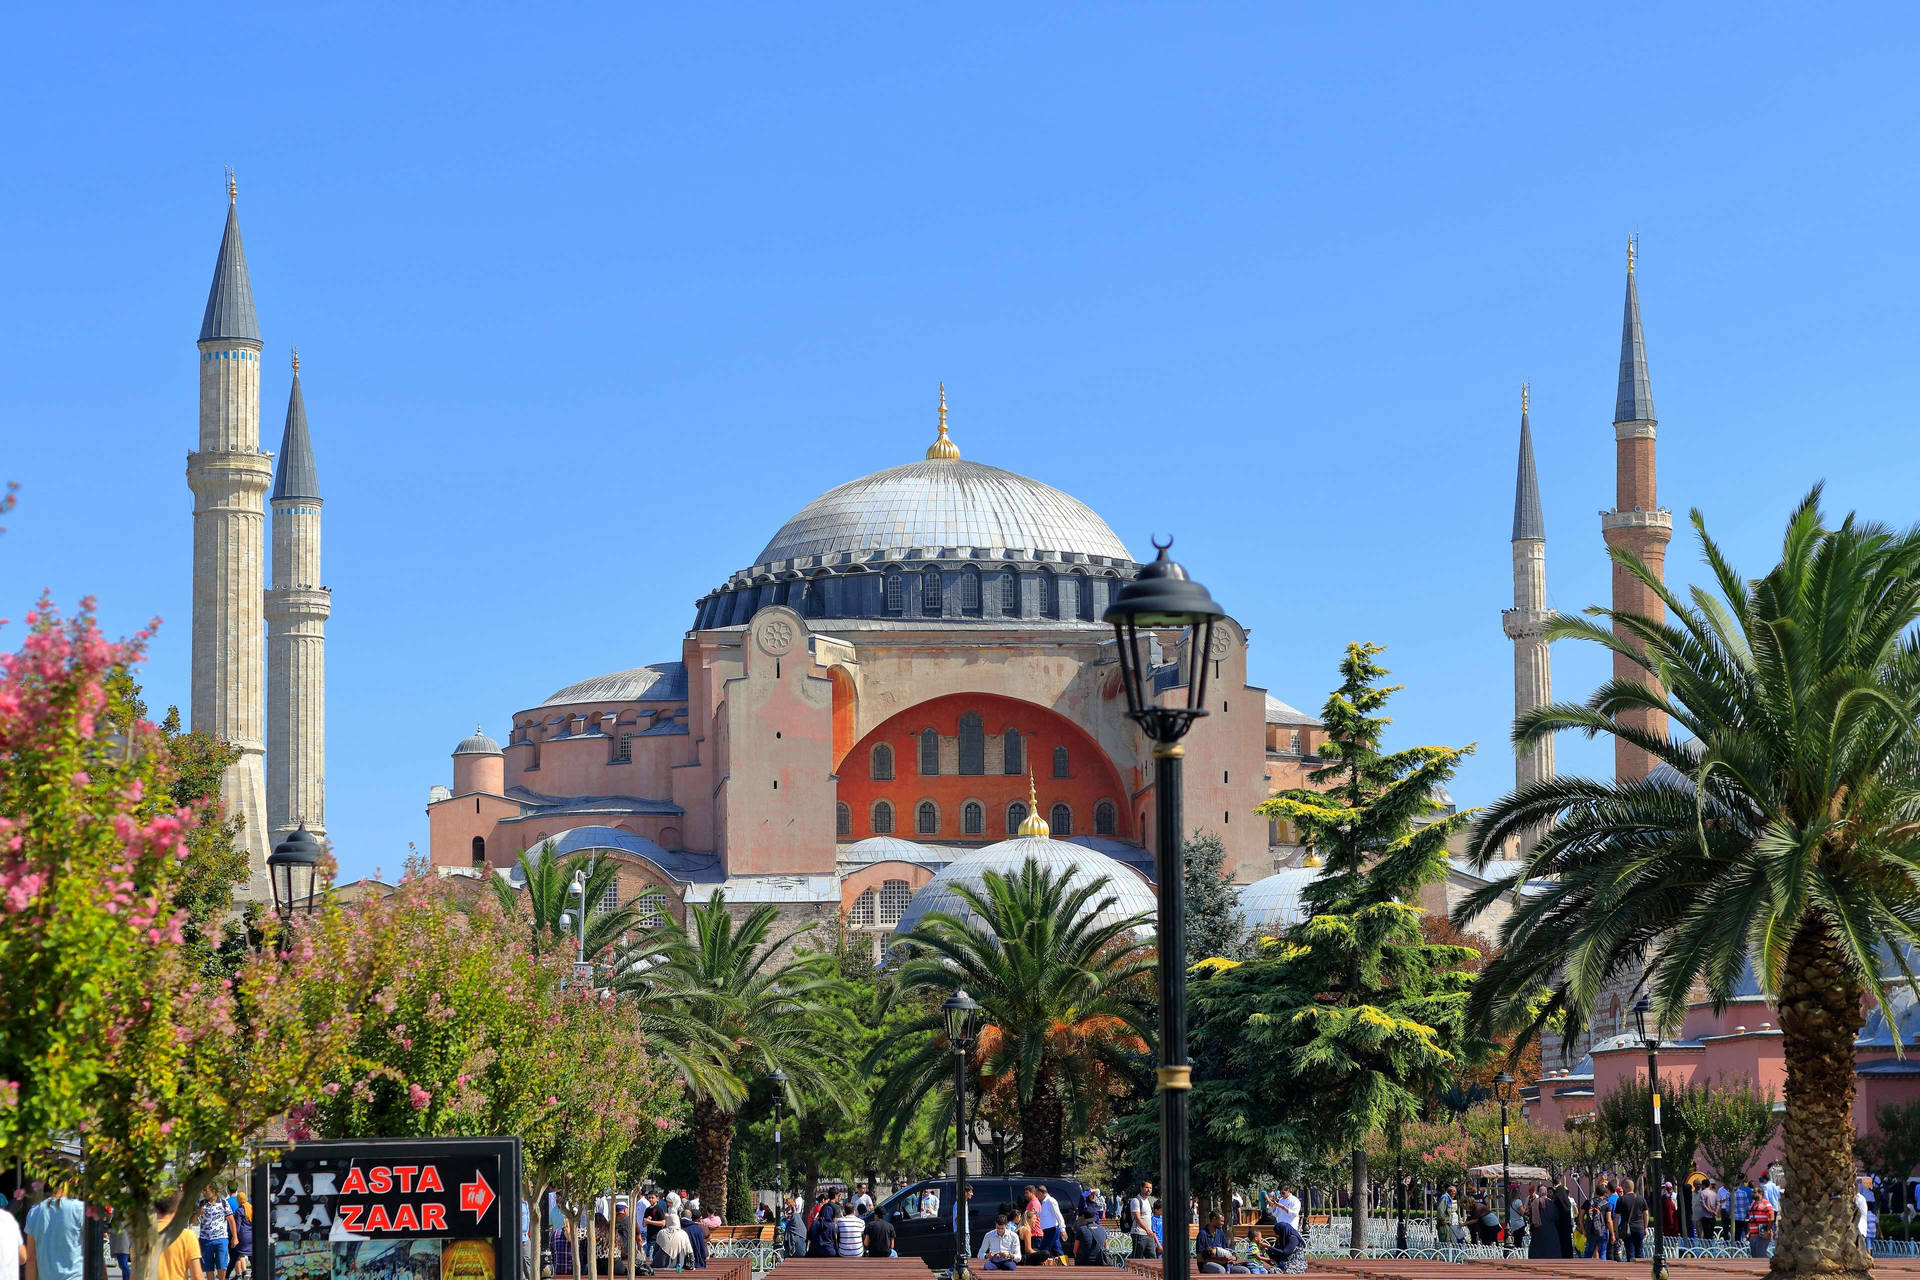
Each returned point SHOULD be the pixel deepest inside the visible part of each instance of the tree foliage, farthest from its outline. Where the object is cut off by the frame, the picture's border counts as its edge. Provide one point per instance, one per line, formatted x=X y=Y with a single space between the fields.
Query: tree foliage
x=1215 y=927
x=1891 y=1148
x=1733 y=1123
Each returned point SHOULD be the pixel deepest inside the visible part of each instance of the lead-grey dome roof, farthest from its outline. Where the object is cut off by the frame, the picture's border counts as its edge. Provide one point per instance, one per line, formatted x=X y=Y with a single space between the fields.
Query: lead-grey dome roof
x=661 y=682
x=477 y=745
x=940 y=503
x=1131 y=895
x=1273 y=904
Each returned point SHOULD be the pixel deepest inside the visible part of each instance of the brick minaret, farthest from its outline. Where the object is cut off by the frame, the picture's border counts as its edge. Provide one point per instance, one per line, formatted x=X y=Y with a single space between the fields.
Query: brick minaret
x=229 y=475
x=297 y=609
x=1637 y=522
x=1532 y=670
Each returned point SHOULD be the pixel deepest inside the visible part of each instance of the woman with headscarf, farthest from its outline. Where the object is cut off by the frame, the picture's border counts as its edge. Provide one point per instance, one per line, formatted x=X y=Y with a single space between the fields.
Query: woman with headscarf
x=674 y=1247
x=1545 y=1240
x=821 y=1235
x=1563 y=1221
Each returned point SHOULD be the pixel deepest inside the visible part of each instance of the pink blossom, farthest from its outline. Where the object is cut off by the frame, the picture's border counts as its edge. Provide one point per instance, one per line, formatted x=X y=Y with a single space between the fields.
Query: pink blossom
x=418 y=1097
x=81 y=778
x=332 y=1089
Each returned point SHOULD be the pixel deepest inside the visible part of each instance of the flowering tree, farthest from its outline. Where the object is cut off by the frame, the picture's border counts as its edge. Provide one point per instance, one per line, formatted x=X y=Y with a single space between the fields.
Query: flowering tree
x=111 y=1027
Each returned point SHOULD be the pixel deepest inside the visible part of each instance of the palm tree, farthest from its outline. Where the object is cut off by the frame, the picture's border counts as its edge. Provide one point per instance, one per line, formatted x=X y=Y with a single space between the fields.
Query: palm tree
x=1785 y=833
x=1060 y=997
x=734 y=1002
x=549 y=885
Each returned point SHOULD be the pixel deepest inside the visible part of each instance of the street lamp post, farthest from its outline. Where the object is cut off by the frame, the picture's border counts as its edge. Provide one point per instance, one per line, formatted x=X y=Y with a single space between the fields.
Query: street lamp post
x=779 y=1079
x=291 y=870
x=1655 y=1197
x=963 y=1023
x=1503 y=1090
x=1162 y=597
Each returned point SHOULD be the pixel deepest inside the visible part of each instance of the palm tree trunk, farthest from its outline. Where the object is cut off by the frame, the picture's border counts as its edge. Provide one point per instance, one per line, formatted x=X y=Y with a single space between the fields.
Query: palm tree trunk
x=1042 y=1119
x=713 y=1143
x=1819 y=1017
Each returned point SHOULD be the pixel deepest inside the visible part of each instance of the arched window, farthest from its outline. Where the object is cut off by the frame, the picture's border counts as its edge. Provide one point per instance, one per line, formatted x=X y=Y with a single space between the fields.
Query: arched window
x=1293 y=746
x=1065 y=595
x=1105 y=819
x=894 y=897
x=929 y=753
x=480 y=856
x=973 y=744
x=926 y=819
x=1010 y=595
x=1049 y=594
x=882 y=761
x=1060 y=818
x=882 y=819
x=861 y=914
x=896 y=594
x=842 y=820
x=970 y=591
x=973 y=819
x=930 y=592
x=1015 y=762
x=1083 y=595
x=1016 y=814
x=1060 y=763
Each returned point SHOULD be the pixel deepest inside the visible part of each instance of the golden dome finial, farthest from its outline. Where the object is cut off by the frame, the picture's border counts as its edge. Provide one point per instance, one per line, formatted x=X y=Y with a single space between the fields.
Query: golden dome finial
x=1633 y=248
x=1033 y=826
x=1311 y=860
x=233 y=188
x=1523 y=397
x=296 y=360
x=943 y=449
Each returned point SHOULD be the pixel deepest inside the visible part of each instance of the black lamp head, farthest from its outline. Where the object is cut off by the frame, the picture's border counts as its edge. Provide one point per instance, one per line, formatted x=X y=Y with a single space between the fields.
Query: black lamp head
x=1641 y=1008
x=291 y=869
x=1163 y=596
x=962 y=1016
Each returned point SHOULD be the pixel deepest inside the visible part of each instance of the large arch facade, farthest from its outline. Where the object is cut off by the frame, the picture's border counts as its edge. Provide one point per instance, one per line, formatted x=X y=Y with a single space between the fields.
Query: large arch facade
x=1090 y=778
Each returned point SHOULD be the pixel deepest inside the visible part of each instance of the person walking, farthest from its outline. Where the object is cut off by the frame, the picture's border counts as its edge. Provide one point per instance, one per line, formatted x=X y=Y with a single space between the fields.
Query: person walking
x=1517 y=1219
x=1053 y=1224
x=1631 y=1213
x=1138 y=1220
x=13 y=1246
x=54 y=1230
x=1546 y=1226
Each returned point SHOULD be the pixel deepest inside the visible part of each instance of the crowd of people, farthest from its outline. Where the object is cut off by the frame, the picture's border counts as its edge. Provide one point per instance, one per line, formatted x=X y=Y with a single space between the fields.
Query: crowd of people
x=43 y=1233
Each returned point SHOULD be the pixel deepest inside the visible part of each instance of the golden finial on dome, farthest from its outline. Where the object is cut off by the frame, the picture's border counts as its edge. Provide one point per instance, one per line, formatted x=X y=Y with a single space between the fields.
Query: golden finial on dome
x=943 y=449
x=1033 y=826
x=296 y=360
x=1633 y=247
x=1311 y=860
x=1523 y=397
x=233 y=188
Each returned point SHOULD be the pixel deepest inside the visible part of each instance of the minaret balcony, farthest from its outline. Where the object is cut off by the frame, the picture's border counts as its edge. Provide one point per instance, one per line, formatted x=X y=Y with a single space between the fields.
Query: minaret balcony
x=1638 y=518
x=1526 y=624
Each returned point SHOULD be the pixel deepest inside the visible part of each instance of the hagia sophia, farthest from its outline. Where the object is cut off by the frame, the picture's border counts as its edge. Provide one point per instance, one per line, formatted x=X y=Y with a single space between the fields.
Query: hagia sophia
x=906 y=686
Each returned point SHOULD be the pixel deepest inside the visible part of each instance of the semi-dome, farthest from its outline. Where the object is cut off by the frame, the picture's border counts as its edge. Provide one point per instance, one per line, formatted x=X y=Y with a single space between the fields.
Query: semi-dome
x=1130 y=895
x=1273 y=904
x=940 y=503
x=477 y=745
x=661 y=682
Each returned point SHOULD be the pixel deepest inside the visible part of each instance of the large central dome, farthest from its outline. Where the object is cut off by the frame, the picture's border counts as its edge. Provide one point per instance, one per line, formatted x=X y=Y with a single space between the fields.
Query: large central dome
x=943 y=503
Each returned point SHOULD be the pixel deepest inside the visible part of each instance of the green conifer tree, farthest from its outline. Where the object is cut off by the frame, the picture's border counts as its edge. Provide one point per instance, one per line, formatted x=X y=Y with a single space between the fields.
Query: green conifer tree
x=1215 y=927
x=1349 y=1018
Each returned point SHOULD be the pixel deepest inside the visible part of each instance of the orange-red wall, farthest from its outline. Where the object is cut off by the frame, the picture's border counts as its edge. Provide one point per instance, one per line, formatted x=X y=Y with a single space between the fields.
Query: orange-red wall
x=1093 y=777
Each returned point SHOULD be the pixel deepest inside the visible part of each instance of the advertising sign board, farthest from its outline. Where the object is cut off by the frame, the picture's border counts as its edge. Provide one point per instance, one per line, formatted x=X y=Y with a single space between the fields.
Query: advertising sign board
x=389 y=1209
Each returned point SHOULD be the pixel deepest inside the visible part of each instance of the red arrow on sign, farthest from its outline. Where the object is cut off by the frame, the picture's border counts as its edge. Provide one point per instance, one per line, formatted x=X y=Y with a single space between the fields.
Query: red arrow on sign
x=476 y=1195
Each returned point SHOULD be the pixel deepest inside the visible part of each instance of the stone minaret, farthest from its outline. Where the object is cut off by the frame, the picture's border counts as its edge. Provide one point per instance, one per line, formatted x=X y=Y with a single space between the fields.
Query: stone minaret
x=229 y=474
x=1637 y=522
x=297 y=609
x=1532 y=672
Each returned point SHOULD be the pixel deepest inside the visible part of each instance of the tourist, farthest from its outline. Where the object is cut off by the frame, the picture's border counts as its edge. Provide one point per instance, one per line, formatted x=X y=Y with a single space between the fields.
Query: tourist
x=1598 y=1222
x=1087 y=1244
x=821 y=1236
x=879 y=1235
x=214 y=1222
x=1630 y=1211
x=1137 y=1218
x=1760 y=1219
x=1517 y=1220
x=1286 y=1207
x=1449 y=1216
x=181 y=1259
x=863 y=1202
x=13 y=1247
x=1286 y=1250
x=1544 y=1241
x=1214 y=1248
x=850 y=1235
x=1053 y=1224
x=671 y=1245
x=53 y=1232
x=1026 y=1224
x=793 y=1227
x=1742 y=1207
x=1707 y=1204
x=1489 y=1218
x=1000 y=1247
x=1670 y=1210
x=696 y=1229
x=1861 y=1210
x=242 y=1234
x=1091 y=1201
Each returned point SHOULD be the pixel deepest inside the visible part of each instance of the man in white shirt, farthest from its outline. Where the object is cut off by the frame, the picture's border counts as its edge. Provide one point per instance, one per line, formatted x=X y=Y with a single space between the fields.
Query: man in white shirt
x=1140 y=1223
x=1000 y=1247
x=1052 y=1226
x=1286 y=1207
x=13 y=1247
x=850 y=1236
x=865 y=1202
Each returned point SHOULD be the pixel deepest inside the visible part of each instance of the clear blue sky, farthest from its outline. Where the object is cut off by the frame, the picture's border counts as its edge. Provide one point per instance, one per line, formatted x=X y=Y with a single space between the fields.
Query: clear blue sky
x=589 y=302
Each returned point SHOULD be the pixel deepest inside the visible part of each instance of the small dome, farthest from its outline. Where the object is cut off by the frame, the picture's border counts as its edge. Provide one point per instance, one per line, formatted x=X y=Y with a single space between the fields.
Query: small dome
x=1904 y=1030
x=1273 y=904
x=661 y=682
x=1131 y=895
x=477 y=745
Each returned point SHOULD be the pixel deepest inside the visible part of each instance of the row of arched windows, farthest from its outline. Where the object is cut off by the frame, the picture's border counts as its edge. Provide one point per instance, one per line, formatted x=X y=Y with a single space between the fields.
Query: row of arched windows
x=973 y=753
x=1061 y=595
x=973 y=818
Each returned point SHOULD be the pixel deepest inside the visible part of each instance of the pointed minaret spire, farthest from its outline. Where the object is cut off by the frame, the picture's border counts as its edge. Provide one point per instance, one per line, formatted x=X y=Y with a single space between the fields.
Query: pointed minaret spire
x=1634 y=400
x=230 y=301
x=1637 y=523
x=295 y=476
x=1526 y=622
x=1527 y=521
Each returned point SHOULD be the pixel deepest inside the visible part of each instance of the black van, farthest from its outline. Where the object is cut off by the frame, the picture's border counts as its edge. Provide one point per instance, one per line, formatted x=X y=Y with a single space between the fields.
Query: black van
x=932 y=1238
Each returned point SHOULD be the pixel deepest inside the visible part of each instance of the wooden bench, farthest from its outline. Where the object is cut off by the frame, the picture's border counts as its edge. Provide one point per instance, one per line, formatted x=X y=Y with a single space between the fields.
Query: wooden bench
x=751 y=1231
x=853 y=1269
